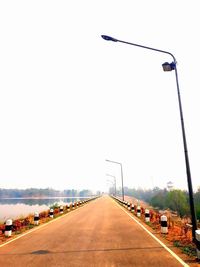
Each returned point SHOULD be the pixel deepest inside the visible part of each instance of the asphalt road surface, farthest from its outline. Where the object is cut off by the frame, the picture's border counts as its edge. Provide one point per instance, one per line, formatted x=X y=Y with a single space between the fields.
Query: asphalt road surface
x=100 y=233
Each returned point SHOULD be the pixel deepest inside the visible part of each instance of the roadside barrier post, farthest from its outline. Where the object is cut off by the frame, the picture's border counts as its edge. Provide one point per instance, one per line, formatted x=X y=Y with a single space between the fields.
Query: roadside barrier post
x=61 y=209
x=51 y=213
x=129 y=206
x=197 y=235
x=132 y=208
x=8 y=228
x=164 y=228
x=138 y=211
x=147 y=215
x=36 y=218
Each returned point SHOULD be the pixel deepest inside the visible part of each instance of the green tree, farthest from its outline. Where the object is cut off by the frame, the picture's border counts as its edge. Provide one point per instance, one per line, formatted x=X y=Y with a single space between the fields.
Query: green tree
x=177 y=201
x=197 y=203
x=159 y=200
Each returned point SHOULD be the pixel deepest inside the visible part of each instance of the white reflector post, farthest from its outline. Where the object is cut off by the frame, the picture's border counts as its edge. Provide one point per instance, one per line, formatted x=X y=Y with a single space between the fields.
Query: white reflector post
x=61 y=209
x=138 y=211
x=51 y=213
x=164 y=228
x=132 y=208
x=36 y=218
x=197 y=235
x=8 y=228
x=147 y=215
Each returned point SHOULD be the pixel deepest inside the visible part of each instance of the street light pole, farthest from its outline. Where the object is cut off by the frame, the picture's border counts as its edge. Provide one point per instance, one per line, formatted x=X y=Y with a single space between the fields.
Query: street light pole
x=112 y=189
x=121 y=175
x=114 y=182
x=169 y=67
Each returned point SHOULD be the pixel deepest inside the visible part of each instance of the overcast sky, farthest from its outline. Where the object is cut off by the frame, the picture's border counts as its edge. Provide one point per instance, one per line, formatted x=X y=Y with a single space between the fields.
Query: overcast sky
x=69 y=100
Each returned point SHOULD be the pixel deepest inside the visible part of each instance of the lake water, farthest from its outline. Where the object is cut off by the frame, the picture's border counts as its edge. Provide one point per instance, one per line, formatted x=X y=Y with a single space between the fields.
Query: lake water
x=13 y=208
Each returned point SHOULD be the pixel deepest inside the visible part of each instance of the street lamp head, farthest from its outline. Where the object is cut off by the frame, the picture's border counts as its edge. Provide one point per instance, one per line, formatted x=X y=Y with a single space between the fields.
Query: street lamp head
x=168 y=66
x=109 y=38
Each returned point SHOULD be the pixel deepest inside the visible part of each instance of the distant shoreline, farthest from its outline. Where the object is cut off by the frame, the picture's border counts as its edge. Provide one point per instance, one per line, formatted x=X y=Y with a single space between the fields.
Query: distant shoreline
x=45 y=197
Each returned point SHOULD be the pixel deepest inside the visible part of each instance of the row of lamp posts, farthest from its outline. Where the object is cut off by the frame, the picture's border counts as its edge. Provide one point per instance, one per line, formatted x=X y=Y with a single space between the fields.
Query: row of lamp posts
x=114 y=183
x=169 y=67
x=115 y=162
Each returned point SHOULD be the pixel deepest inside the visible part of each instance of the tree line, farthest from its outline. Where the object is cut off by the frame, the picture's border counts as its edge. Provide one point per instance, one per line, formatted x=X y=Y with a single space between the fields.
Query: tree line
x=47 y=192
x=176 y=200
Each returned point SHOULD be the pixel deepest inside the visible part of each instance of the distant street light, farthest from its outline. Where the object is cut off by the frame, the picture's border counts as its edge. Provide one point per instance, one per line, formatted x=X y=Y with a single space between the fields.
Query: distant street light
x=121 y=175
x=114 y=182
x=169 y=67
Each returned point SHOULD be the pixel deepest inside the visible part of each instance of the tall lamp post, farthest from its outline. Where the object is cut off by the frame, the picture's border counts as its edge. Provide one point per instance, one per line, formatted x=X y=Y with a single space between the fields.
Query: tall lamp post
x=169 y=67
x=121 y=175
x=114 y=178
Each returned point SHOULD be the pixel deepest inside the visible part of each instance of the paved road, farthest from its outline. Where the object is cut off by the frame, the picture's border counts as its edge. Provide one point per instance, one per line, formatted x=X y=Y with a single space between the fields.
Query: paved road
x=97 y=234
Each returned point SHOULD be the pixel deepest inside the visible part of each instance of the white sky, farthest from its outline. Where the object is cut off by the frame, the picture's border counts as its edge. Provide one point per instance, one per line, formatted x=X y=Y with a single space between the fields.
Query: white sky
x=69 y=99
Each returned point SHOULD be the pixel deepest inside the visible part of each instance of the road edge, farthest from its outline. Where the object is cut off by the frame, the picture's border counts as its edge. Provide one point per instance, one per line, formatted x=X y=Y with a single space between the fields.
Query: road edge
x=154 y=237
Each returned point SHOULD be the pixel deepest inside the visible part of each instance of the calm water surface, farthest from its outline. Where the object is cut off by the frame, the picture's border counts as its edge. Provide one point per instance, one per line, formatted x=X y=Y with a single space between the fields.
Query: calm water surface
x=13 y=208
